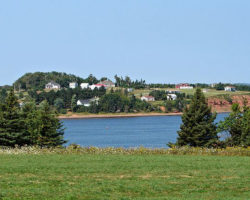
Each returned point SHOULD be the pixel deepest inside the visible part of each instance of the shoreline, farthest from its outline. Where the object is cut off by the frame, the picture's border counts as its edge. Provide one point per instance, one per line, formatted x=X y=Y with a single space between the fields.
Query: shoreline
x=123 y=115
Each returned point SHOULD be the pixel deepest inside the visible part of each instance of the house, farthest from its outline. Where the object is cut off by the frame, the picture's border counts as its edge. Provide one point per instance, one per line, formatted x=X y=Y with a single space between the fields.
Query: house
x=98 y=86
x=87 y=102
x=73 y=85
x=147 y=98
x=183 y=86
x=84 y=85
x=52 y=85
x=171 y=96
x=230 y=88
x=108 y=83
x=130 y=89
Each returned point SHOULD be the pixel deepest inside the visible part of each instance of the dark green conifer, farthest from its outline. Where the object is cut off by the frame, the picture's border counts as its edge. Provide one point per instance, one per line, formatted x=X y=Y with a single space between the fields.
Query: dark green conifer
x=50 y=128
x=11 y=124
x=198 y=128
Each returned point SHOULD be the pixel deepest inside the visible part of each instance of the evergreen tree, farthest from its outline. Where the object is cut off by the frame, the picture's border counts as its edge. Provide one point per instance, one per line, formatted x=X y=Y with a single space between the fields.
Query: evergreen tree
x=11 y=124
x=237 y=124
x=198 y=128
x=74 y=103
x=50 y=129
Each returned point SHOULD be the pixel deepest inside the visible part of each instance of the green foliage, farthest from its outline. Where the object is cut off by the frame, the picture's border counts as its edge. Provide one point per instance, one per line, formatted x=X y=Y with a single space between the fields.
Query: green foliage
x=74 y=103
x=197 y=128
x=12 y=130
x=128 y=83
x=38 y=80
x=29 y=125
x=237 y=125
x=3 y=95
x=219 y=86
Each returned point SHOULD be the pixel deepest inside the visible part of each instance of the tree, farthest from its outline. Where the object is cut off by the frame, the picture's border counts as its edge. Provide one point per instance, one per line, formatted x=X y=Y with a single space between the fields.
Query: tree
x=12 y=130
x=59 y=104
x=74 y=103
x=198 y=128
x=237 y=125
x=50 y=128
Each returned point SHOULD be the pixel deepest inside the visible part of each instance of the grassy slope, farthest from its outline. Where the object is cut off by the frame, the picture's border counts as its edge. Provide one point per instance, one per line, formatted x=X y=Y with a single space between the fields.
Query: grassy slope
x=124 y=177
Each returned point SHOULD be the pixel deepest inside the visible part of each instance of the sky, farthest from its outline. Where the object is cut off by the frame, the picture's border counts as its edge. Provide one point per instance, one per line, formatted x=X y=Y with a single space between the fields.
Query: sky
x=160 y=41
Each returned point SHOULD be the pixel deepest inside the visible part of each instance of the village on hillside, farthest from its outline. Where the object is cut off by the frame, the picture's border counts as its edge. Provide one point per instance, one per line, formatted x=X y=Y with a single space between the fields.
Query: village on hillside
x=71 y=94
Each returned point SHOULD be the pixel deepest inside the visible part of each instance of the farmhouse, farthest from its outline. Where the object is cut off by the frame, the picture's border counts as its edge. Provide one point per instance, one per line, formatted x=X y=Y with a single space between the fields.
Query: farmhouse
x=73 y=85
x=183 y=86
x=52 y=85
x=84 y=85
x=230 y=88
x=147 y=98
x=107 y=83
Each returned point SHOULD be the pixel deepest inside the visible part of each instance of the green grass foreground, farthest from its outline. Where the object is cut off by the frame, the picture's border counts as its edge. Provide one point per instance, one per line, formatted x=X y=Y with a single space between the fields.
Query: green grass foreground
x=93 y=173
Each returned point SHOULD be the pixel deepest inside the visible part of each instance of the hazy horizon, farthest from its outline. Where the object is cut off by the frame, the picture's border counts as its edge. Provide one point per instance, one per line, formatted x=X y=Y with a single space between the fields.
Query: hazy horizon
x=159 y=41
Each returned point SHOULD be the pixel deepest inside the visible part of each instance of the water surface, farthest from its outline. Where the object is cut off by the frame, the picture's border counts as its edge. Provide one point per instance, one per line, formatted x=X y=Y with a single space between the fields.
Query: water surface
x=151 y=132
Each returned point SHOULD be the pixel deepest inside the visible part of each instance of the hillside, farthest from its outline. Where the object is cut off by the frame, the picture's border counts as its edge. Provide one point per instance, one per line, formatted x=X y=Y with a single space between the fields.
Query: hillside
x=38 y=80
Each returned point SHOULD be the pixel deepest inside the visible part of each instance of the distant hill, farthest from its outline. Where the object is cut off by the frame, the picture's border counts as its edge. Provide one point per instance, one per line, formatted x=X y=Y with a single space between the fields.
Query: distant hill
x=38 y=80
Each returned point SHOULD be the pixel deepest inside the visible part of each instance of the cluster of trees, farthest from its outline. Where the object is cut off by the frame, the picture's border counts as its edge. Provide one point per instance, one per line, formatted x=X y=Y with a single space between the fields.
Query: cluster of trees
x=128 y=83
x=117 y=102
x=239 y=87
x=198 y=128
x=161 y=85
x=62 y=99
x=38 y=80
x=29 y=124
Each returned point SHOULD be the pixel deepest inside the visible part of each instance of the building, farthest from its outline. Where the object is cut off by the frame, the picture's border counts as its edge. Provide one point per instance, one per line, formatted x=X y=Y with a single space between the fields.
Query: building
x=73 y=85
x=84 y=85
x=171 y=96
x=52 y=85
x=230 y=88
x=98 y=86
x=107 y=83
x=87 y=102
x=130 y=89
x=147 y=98
x=184 y=86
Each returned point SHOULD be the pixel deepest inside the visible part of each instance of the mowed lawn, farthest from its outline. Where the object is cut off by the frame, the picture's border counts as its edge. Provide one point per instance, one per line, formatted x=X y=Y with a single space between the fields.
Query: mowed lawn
x=142 y=177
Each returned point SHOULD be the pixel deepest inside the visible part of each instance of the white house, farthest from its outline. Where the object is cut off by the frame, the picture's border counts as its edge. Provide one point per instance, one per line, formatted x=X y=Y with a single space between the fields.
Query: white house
x=147 y=98
x=73 y=85
x=130 y=89
x=171 y=96
x=52 y=85
x=230 y=88
x=84 y=85
x=87 y=102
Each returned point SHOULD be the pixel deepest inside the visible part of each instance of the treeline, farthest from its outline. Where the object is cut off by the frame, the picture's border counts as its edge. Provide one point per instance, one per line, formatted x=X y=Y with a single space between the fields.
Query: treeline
x=128 y=83
x=116 y=102
x=62 y=99
x=38 y=80
x=29 y=125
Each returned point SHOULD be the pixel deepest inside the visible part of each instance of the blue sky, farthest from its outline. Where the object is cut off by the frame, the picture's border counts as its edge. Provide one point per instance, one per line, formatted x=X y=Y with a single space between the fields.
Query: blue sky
x=166 y=41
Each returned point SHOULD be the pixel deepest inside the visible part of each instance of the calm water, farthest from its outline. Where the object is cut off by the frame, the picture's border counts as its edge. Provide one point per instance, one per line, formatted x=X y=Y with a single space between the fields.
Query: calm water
x=152 y=132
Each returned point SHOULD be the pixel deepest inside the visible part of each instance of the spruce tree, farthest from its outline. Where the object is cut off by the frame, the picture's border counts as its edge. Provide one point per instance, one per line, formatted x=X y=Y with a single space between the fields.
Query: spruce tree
x=50 y=128
x=198 y=128
x=11 y=124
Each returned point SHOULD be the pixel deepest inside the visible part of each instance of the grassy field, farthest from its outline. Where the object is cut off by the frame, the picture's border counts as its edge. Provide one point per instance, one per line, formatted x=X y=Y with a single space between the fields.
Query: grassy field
x=106 y=176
